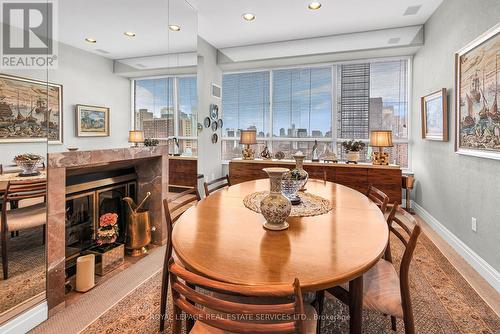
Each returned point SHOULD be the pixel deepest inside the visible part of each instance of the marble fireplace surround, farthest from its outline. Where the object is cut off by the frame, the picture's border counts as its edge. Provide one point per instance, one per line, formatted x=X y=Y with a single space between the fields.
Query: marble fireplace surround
x=151 y=164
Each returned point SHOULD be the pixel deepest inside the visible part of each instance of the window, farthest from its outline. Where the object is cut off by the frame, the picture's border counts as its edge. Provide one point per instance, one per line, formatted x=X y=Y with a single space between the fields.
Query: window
x=167 y=107
x=245 y=103
x=293 y=108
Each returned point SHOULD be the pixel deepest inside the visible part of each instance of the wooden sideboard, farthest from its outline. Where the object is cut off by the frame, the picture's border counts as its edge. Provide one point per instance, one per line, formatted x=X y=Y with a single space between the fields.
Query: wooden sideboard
x=182 y=171
x=358 y=177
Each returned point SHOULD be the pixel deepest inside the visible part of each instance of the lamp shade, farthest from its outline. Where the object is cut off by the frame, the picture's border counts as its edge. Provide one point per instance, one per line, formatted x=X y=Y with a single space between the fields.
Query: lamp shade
x=248 y=137
x=136 y=136
x=381 y=138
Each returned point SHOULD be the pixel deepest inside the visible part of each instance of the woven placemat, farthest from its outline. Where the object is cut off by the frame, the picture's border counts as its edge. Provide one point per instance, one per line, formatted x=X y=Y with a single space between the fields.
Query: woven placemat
x=311 y=205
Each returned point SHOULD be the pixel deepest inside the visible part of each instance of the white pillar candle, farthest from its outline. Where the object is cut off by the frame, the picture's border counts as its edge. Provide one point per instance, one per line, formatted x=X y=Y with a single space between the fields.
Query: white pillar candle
x=85 y=267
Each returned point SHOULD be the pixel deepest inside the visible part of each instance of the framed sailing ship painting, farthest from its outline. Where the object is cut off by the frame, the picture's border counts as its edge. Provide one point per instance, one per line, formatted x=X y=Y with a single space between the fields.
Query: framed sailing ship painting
x=477 y=118
x=30 y=110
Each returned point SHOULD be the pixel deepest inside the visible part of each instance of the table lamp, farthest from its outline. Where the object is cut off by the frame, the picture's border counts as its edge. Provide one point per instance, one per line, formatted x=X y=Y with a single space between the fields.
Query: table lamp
x=248 y=137
x=136 y=136
x=380 y=139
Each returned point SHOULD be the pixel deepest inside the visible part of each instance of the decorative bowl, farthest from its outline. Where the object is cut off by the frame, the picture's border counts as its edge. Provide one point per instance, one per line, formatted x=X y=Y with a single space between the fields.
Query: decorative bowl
x=28 y=164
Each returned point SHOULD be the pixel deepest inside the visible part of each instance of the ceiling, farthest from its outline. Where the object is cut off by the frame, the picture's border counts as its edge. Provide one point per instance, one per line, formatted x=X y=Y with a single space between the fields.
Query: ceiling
x=221 y=24
x=107 y=20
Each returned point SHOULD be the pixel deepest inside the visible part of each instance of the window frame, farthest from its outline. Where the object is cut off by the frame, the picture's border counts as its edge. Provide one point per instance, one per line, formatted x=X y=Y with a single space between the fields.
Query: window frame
x=333 y=140
x=175 y=103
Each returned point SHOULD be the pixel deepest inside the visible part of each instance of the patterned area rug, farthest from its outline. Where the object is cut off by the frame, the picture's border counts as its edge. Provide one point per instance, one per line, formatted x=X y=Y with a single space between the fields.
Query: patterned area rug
x=443 y=302
x=26 y=269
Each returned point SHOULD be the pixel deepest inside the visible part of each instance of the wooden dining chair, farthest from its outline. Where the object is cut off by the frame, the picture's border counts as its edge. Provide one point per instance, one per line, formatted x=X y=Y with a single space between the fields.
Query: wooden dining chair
x=378 y=197
x=230 y=308
x=174 y=207
x=24 y=217
x=383 y=289
x=221 y=183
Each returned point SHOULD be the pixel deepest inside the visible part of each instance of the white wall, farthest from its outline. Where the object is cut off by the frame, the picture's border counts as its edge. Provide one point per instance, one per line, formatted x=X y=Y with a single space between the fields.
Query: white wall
x=451 y=187
x=87 y=79
x=209 y=155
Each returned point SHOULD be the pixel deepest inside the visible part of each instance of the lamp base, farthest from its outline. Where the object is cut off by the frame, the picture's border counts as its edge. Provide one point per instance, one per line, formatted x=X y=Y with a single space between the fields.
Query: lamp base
x=380 y=158
x=248 y=153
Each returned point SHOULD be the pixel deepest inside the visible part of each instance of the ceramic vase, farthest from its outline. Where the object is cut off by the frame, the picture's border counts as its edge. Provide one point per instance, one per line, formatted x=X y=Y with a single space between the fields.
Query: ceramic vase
x=275 y=207
x=299 y=165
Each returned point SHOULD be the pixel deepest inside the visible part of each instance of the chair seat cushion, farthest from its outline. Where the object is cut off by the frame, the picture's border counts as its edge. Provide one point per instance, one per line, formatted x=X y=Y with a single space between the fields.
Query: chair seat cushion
x=381 y=290
x=26 y=217
x=310 y=324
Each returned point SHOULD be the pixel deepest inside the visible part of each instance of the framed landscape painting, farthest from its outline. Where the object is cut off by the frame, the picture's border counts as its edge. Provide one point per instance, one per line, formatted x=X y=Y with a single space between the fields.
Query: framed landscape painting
x=435 y=116
x=30 y=110
x=477 y=90
x=92 y=121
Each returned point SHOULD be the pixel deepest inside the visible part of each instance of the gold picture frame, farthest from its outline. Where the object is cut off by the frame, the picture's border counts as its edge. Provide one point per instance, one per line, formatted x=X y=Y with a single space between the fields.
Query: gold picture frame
x=434 y=114
x=92 y=121
x=30 y=110
x=477 y=114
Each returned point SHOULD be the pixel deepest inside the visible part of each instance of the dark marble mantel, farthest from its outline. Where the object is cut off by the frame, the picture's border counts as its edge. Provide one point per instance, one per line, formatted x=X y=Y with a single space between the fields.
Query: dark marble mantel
x=151 y=165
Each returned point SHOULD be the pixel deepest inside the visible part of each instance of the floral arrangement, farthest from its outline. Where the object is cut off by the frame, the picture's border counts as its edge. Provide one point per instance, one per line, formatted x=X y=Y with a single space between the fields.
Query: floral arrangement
x=151 y=142
x=353 y=146
x=108 y=229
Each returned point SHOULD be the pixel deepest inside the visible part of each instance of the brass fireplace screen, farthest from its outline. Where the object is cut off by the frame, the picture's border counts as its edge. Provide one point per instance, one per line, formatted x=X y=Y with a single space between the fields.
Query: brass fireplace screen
x=86 y=201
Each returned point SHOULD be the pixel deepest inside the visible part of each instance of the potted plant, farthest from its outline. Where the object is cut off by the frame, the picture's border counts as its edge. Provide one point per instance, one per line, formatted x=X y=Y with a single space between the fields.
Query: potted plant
x=353 y=149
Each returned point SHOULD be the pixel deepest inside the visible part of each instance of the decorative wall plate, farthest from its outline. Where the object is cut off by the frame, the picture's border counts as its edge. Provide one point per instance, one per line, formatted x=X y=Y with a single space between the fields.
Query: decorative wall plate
x=214 y=112
x=215 y=138
x=279 y=155
x=220 y=123
x=207 y=122
x=214 y=126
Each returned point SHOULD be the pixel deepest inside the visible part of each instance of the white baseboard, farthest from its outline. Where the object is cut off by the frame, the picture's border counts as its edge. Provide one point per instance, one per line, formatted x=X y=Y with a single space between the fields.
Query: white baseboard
x=27 y=320
x=490 y=274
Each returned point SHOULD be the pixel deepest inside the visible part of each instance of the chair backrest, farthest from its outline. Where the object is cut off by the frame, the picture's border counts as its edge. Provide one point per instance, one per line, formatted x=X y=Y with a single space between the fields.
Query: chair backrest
x=235 y=316
x=221 y=183
x=26 y=189
x=407 y=229
x=378 y=197
x=174 y=207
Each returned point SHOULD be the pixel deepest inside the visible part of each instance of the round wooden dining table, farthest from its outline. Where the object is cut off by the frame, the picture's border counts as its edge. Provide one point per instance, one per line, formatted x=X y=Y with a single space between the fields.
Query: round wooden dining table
x=222 y=239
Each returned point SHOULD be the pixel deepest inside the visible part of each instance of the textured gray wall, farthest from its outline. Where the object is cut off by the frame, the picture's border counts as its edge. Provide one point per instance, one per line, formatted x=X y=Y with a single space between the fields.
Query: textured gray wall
x=209 y=155
x=451 y=187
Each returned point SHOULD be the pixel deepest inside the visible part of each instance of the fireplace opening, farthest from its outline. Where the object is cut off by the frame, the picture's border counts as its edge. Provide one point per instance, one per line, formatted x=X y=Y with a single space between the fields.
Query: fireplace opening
x=88 y=197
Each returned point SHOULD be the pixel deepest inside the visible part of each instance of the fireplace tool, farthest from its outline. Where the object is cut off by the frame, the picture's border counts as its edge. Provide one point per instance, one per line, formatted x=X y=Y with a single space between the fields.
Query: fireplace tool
x=138 y=229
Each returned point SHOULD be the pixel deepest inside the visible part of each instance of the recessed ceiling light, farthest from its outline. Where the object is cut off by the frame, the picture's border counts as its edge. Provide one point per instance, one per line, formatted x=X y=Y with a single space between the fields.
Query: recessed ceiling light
x=174 y=27
x=248 y=17
x=314 y=5
x=90 y=40
x=129 y=34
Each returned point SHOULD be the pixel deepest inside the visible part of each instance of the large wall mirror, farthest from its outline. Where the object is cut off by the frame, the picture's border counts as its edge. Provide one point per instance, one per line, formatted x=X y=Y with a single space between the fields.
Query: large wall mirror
x=114 y=73
x=30 y=119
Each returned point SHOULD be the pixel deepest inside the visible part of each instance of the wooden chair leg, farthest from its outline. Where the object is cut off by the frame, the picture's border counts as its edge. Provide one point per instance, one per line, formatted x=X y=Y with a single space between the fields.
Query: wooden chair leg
x=163 y=300
x=320 y=298
x=393 y=323
x=44 y=234
x=4 y=256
